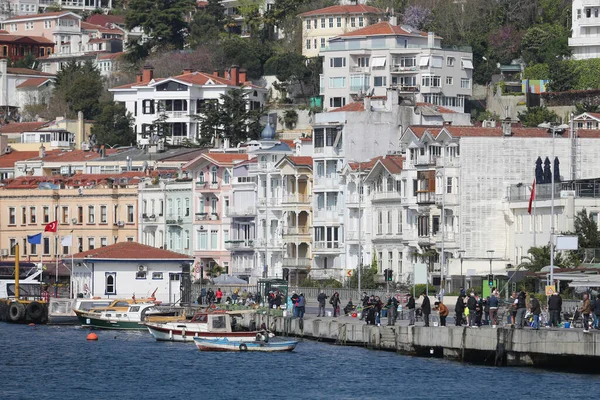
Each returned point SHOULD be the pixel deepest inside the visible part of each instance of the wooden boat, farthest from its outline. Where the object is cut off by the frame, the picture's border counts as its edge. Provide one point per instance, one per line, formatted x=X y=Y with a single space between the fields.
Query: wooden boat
x=235 y=345
x=204 y=325
x=117 y=317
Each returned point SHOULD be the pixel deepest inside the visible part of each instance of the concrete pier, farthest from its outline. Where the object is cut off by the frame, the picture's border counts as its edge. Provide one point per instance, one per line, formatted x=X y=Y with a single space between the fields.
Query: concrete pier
x=500 y=346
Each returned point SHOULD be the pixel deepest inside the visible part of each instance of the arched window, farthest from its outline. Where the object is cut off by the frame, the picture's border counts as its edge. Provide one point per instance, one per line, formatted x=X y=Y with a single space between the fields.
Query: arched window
x=200 y=177
x=111 y=287
x=213 y=174
x=226 y=177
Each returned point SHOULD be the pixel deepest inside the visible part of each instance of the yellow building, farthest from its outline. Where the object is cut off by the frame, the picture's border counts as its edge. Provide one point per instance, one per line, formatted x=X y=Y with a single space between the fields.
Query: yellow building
x=97 y=210
x=318 y=26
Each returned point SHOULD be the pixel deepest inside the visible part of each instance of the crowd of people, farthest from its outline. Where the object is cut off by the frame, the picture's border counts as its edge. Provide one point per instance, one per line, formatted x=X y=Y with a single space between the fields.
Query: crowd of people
x=239 y=297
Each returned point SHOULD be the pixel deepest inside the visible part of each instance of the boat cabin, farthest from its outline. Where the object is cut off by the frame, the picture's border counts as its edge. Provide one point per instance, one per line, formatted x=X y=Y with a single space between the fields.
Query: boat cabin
x=216 y=322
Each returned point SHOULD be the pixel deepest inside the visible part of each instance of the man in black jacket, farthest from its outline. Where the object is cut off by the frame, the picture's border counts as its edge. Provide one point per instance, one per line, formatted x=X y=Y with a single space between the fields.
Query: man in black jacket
x=410 y=305
x=555 y=307
x=459 y=308
x=521 y=309
x=321 y=299
x=472 y=306
x=426 y=308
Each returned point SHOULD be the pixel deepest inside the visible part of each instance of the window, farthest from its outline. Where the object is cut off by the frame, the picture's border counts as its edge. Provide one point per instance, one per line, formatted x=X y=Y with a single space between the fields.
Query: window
x=213 y=175
x=46 y=214
x=588 y=12
x=337 y=62
x=400 y=263
x=202 y=240
x=307 y=44
x=362 y=62
x=103 y=215
x=337 y=83
x=448 y=185
x=65 y=215
x=578 y=13
x=91 y=243
x=47 y=24
x=430 y=81
x=140 y=275
x=12 y=216
x=449 y=80
x=399 y=227
x=130 y=214
x=213 y=205
x=337 y=101
x=339 y=22
x=187 y=207
x=13 y=27
x=103 y=242
x=450 y=61
x=331 y=22
x=28 y=26
x=46 y=245
x=91 y=215
x=322 y=43
x=379 y=222
x=213 y=239
x=11 y=244
x=226 y=177
x=353 y=22
x=157 y=275
x=186 y=239
x=225 y=206
x=379 y=81
x=323 y=23
x=308 y=22
x=80 y=215
x=23 y=215
x=361 y=22
x=466 y=64
x=465 y=83
x=315 y=23
x=148 y=106
x=111 y=283
x=389 y=222
x=315 y=43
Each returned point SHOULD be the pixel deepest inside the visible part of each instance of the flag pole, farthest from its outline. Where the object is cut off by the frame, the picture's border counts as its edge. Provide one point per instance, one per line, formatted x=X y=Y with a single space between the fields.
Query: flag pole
x=56 y=258
x=42 y=258
x=534 y=213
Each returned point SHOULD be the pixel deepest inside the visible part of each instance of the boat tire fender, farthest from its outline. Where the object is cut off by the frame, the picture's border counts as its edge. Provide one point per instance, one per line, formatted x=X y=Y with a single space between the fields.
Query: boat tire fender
x=35 y=310
x=243 y=347
x=259 y=336
x=16 y=311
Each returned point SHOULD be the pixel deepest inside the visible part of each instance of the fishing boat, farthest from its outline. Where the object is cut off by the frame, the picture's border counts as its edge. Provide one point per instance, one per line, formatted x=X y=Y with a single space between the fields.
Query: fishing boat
x=117 y=316
x=235 y=345
x=62 y=311
x=204 y=325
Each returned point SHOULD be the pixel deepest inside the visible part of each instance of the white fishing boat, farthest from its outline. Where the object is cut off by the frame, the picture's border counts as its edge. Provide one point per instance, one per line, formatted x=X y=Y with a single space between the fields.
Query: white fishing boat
x=235 y=345
x=126 y=317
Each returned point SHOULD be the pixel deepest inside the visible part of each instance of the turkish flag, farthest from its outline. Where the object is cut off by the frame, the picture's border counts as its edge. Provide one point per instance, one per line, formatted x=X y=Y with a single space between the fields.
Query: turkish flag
x=532 y=197
x=51 y=227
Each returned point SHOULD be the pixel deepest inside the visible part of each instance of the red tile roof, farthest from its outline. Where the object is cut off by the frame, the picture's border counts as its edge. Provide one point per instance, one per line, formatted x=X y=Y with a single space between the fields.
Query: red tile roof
x=78 y=180
x=225 y=158
x=393 y=163
x=103 y=20
x=301 y=160
x=348 y=9
x=477 y=131
x=131 y=251
x=26 y=71
x=74 y=155
x=351 y=107
x=194 y=78
x=8 y=160
x=44 y=15
x=13 y=38
x=440 y=109
x=364 y=165
x=20 y=127
x=419 y=130
x=384 y=28
x=109 y=56
x=99 y=28
x=32 y=83
x=289 y=142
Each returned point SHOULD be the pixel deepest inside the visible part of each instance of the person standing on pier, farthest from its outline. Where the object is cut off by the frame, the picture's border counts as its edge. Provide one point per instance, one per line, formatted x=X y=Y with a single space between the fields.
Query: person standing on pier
x=536 y=310
x=294 y=299
x=471 y=305
x=410 y=305
x=443 y=310
x=521 y=309
x=321 y=298
x=493 y=304
x=426 y=308
x=335 y=302
x=392 y=309
x=586 y=310
x=459 y=309
x=597 y=311
x=300 y=306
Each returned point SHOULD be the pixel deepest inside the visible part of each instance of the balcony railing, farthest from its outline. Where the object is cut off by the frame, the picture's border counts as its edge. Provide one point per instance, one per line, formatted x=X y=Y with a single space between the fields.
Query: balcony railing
x=399 y=68
x=242 y=212
x=201 y=216
x=292 y=262
x=326 y=246
x=425 y=197
x=329 y=215
x=354 y=199
x=359 y=70
x=393 y=195
x=272 y=243
x=297 y=198
x=426 y=159
x=297 y=231
x=241 y=244
x=328 y=181
x=406 y=88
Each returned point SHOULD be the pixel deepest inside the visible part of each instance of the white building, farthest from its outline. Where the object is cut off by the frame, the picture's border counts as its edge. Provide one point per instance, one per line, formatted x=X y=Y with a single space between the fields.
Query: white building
x=382 y=56
x=585 y=22
x=127 y=268
x=175 y=102
x=22 y=86
x=318 y=26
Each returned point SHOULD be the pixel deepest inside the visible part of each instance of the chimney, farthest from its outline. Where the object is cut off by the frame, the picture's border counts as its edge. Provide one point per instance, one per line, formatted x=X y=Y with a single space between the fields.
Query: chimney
x=138 y=78
x=234 y=73
x=147 y=73
x=243 y=76
x=80 y=134
x=188 y=70
x=42 y=151
x=430 y=40
x=507 y=127
x=216 y=73
x=393 y=20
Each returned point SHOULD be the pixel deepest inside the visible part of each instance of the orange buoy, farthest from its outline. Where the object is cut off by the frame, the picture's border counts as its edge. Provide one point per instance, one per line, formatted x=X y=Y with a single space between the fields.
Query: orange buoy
x=92 y=336
x=32 y=324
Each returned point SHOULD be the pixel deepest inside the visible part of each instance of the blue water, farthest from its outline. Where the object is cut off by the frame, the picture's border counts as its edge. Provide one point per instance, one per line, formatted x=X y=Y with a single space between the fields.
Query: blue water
x=48 y=362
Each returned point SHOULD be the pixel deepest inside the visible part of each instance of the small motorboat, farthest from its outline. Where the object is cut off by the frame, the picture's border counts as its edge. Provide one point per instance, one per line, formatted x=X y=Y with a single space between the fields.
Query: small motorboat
x=116 y=317
x=235 y=345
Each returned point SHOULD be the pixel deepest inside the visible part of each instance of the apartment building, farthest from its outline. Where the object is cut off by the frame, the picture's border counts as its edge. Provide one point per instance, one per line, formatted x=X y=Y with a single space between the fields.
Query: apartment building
x=232 y=11
x=211 y=204
x=373 y=59
x=585 y=22
x=318 y=26
x=22 y=86
x=97 y=210
x=167 y=108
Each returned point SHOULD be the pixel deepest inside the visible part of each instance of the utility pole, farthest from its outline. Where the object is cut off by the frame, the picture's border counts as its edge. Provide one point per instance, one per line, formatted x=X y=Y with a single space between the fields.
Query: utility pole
x=360 y=260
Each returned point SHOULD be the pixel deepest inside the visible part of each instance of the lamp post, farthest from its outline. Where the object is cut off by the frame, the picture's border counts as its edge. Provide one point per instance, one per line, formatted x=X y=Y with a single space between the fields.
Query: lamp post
x=553 y=129
x=461 y=254
x=442 y=177
x=360 y=187
x=490 y=256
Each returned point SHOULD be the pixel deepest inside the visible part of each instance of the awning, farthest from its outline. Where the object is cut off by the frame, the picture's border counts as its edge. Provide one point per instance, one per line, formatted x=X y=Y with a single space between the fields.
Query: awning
x=466 y=64
x=424 y=61
x=378 y=62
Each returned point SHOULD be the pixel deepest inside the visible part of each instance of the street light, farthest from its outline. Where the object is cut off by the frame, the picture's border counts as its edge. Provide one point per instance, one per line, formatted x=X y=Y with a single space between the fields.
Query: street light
x=461 y=254
x=359 y=191
x=553 y=129
x=490 y=256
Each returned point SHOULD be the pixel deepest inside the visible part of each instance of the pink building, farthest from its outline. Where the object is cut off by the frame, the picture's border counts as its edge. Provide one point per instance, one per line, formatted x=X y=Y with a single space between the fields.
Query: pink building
x=61 y=27
x=213 y=176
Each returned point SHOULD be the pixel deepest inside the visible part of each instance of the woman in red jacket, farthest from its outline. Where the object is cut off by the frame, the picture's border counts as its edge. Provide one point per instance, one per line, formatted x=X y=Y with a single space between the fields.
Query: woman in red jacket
x=219 y=295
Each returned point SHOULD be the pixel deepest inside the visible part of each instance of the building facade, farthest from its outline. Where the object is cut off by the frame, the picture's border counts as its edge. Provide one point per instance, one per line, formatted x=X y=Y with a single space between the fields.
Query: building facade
x=585 y=22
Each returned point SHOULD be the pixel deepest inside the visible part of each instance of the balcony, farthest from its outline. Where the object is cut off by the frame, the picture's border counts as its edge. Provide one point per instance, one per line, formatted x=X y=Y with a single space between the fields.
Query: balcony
x=448 y=199
x=386 y=196
x=149 y=218
x=425 y=197
x=354 y=199
x=449 y=162
x=67 y=28
x=328 y=151
x=360 y=70
x=330 y=181
x=327 y=247
x=261 y=166
x=359 y=88
x=201 y=216
x=200 y=184
x=406 y=88
x=276 y=244
x=176 y=114
x=241 y=244
x=431 y=89
x=301 y=233
x=352 y=235
x=401 y=69
x=271 y=202
x=242 y=212
x=302 y=199
x=331 y=215
x=426 y=159
x=177 y=222
x=292 y=262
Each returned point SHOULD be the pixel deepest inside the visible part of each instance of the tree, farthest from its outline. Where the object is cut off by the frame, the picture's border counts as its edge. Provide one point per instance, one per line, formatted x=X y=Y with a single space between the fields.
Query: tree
x=505 y=44
x=417 y=16
x=534 y=116
x=586 y=230
x=563 y=76
x=586 y=106
x=539 y=257
x=80 y=87
x=290 y=68
x=26 y=62
x=230 y=119
x=207 y=24
x=249 y=53
x=163 y=22
x=545 y=43
x=114 y=125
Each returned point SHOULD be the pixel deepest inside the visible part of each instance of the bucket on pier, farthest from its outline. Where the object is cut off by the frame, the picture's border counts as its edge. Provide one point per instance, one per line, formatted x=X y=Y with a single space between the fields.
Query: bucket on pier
x=359 y=315
x=435 y=323
x=329 y=313
x=567 y=324
x=284 y=313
